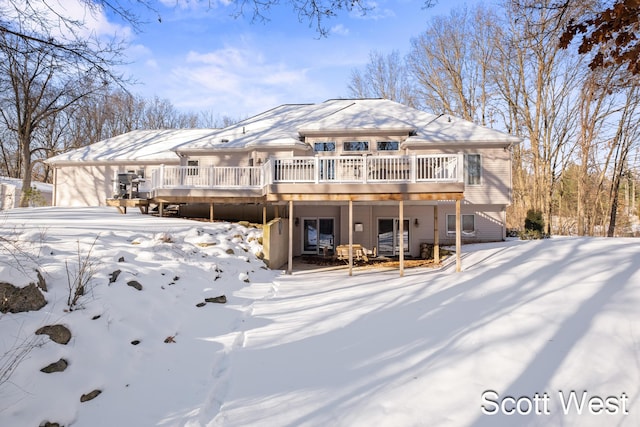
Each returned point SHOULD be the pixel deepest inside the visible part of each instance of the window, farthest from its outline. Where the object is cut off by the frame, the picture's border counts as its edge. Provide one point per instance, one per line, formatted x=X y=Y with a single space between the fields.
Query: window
x=473 y=169
x=388 y=145
x=467 y=222
x=192 y=167
x=324 y=146
x=355 y=146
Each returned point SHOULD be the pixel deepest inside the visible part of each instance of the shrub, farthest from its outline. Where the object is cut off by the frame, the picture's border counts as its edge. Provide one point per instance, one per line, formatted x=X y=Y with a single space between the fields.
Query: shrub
x=534 y=221
x=80 y=276
x=533 y=226
x=35 y=197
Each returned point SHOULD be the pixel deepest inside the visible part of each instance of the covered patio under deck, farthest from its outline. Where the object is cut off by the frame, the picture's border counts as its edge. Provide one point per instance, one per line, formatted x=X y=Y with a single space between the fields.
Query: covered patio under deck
x=350 y=199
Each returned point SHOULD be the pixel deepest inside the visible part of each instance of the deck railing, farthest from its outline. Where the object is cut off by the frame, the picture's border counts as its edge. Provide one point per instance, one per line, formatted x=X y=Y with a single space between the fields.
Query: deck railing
x=317 y=169
x=368 y=169
x=207 y=177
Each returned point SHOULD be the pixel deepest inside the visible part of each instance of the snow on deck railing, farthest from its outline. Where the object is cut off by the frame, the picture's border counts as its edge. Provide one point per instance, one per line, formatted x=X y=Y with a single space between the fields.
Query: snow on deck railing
x=317 y=169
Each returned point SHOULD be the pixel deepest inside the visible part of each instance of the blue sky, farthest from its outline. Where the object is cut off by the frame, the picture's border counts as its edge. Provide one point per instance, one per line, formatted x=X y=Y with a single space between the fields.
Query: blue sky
x=202 y=59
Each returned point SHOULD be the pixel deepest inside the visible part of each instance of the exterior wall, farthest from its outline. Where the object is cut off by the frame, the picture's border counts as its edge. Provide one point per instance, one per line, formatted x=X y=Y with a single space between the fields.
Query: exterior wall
x=83 y=185
x=275 y=240
x=496 y=178
x=489 y=222
x=244 y=158
x=496 y=174
x=92 y=185
x=222 y=159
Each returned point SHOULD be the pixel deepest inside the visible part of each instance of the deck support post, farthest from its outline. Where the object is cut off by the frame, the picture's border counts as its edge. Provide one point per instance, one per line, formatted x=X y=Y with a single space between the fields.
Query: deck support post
x=210 y=212
x=436 y=236
x=276 y=211
x=401 y=232
x=458 y=237
x=264 y=214
x=290 y=260
x=161 y=209
x=350 y=237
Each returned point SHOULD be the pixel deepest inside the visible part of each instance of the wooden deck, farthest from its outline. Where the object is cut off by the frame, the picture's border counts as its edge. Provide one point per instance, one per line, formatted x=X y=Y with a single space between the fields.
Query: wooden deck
x=123 y=204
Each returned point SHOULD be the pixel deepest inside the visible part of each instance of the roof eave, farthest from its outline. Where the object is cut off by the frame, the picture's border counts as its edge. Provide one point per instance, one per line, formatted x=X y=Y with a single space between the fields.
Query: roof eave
x=426 y=143
x=360 y=131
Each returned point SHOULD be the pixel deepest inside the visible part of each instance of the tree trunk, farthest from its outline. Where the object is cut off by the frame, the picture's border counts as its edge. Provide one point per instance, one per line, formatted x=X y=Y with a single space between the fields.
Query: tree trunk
x=611 y=231
x=25 y=148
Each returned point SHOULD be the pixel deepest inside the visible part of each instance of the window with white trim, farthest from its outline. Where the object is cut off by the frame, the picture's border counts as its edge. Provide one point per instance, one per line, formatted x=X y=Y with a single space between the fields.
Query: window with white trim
x=473 y=169
x=355 y=146
x=467 y=223
x=388 y=145
x=324 y=146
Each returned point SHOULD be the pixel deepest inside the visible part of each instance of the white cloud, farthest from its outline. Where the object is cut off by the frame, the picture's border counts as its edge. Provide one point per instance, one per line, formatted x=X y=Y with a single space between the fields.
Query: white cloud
x=194 y=4
x=340 y=30
x=375 y=11
x=236 y=81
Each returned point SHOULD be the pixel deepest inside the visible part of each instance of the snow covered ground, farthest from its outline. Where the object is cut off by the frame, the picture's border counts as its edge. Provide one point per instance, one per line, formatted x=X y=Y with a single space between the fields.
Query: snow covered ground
x=541 y=333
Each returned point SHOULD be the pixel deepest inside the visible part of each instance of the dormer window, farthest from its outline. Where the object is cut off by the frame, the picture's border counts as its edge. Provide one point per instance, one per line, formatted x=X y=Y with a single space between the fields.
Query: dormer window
x=324 y=146
x=388 y=146
x=355 y=146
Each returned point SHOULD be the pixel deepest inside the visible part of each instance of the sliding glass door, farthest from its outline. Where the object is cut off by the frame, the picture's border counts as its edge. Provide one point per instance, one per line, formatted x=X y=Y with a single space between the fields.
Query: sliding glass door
x=318 y=236
x=389 y=236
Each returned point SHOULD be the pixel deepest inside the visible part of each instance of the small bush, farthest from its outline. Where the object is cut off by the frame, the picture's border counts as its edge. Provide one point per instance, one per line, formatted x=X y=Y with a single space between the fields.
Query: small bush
x=534 y=221
x=35 y=197
x=533 y=226
x=80 y=276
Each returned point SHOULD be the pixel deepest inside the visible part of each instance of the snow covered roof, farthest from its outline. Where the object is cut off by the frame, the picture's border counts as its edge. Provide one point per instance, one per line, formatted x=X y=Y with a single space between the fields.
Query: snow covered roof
x=137 y=145
x=285 y=126
x=41 y=186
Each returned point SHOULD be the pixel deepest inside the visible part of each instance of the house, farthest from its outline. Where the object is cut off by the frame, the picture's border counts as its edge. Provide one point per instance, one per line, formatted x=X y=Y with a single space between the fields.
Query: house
x=89 y=176
x=343 y=172
x=11 y=190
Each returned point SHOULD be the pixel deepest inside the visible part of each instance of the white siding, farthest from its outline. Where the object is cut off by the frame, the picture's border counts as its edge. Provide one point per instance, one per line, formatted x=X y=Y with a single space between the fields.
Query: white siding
x=496 y=178
x=92 y=185
x=84 y=185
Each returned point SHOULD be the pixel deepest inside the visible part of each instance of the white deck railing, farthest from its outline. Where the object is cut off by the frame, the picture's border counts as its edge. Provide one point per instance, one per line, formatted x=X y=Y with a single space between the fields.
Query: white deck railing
x=207 y=177
x=317 y=169
x=368 y=169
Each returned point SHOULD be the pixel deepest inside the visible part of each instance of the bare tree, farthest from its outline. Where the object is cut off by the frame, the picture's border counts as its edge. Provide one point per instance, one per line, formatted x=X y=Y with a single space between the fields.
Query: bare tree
x=43 y=15
x=48 y=62
x=315 y=12
x=36 y=83
x=540 y=83
x=161 y=114
x=385 y=76
x=211 y=120
x=451 y=64
x=625 y=138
